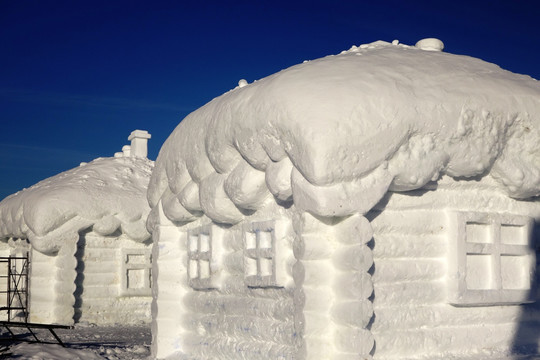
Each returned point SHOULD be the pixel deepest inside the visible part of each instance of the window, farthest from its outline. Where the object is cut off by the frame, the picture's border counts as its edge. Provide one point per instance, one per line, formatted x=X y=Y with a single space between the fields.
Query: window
x=265 y=254
x=493 y=260
x=136 y=272
x=204 y=251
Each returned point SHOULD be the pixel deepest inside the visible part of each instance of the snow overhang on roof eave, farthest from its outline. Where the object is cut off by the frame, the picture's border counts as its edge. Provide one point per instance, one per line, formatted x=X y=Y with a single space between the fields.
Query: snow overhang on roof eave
x=337 y=133
x=107 y=195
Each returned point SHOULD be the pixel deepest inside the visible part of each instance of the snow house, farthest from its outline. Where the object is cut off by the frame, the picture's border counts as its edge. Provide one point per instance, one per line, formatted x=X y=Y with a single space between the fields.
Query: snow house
x=88 y=249
x=377 y=204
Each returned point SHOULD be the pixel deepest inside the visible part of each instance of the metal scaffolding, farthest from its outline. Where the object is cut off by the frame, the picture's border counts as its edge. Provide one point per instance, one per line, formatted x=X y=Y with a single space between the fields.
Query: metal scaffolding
x=14 y=284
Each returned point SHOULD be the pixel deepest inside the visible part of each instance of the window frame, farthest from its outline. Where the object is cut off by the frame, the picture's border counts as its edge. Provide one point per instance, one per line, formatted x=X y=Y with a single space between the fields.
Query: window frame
x=496 y=248
x=206 y=254
x=147 y=272
x=278 y=254
x=255 y=255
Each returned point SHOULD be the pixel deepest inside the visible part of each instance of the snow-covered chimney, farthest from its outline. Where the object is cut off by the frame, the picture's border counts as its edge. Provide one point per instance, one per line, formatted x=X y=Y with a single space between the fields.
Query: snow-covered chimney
x=139 y=140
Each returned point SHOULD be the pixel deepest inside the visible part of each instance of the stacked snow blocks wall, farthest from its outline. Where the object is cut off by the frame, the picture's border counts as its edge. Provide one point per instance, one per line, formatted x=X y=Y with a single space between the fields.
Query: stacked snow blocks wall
x=100 y=298
x=82 y=282
x=234 y=320
x=410 y=253
x=229 y=320
x=322 y=261
x=414 y=318
x=332 y=305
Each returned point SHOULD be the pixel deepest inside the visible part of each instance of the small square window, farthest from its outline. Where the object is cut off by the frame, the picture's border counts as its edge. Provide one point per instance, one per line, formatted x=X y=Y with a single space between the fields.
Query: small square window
x=493 y=260
x=265 y=239
x=250 y=266
x=266 y=267
x=478 y=233
x=135 y=278
x=513 y=234
x=136 y=258
x=479 y=272
x=515 y=274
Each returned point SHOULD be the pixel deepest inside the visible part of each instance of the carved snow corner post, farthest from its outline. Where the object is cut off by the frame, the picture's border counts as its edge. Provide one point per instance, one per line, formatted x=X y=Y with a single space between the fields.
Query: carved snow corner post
x=332 y=287
x=52 y=284
x=66 y=264
x=170 y=258
x=42 y=307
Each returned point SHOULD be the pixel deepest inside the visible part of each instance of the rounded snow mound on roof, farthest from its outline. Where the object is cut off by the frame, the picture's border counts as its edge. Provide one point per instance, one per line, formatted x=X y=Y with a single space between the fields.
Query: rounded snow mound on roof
x=336 y=133
x=107 y=195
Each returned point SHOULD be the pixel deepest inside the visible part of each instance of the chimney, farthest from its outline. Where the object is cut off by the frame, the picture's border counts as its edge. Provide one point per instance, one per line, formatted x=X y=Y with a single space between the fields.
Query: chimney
x=139 y=140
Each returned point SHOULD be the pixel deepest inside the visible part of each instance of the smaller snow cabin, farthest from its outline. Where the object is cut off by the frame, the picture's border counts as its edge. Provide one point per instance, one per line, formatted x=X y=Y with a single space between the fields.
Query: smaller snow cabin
x=85 y=235
x=376 y=204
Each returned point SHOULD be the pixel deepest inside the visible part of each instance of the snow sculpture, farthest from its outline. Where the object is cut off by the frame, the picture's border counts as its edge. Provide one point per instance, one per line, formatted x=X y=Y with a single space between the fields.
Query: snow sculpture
x=89 y=247
x=379 y=203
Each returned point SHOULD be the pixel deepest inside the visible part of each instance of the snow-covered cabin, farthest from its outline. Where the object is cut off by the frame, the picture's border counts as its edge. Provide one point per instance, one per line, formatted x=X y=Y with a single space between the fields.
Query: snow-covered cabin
x=380 y=203
x=89 y=250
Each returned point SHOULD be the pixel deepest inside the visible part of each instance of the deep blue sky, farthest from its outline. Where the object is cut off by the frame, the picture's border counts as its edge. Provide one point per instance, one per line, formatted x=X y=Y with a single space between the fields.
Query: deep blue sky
x=76 y=77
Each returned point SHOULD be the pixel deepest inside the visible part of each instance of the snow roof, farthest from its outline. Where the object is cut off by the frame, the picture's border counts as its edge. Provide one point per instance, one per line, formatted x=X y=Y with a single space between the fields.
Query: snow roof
x=338 y=132
x=107 y=194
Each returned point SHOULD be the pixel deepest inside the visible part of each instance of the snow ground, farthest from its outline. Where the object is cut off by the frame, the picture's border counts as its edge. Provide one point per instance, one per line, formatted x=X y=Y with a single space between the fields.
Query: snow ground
x=86 y=342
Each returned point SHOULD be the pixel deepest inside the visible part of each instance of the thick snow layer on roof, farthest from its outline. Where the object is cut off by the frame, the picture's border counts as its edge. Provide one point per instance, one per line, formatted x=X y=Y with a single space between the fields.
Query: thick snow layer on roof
x=107 y=194
x=338 y=132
